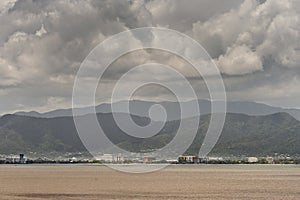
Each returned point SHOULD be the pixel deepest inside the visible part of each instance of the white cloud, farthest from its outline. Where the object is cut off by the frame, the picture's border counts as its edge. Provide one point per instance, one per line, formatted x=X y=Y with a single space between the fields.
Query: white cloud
x=41 y=32
x=6 y=4
x=240 y=60
x=270 y=31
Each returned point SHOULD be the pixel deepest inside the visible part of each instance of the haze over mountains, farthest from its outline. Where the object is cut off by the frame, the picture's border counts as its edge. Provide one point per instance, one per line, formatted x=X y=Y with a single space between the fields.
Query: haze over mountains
x=141 y=108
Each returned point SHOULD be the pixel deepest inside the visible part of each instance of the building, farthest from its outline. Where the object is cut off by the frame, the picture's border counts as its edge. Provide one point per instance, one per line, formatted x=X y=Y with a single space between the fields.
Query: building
x=215 y=159
x=148 y=159
x=270 y=160
x=188 y=159
x=119 y=158
x=252 y=160
x=22 y=159
x=105 y=158
x=2 y=160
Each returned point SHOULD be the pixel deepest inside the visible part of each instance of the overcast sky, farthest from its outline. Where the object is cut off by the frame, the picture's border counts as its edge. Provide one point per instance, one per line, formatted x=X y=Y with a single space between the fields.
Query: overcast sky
x=255 y=43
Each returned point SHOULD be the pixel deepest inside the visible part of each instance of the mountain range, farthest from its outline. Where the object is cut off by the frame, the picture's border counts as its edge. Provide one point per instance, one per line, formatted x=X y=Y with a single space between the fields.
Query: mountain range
x=242 y=134
x=141 y=108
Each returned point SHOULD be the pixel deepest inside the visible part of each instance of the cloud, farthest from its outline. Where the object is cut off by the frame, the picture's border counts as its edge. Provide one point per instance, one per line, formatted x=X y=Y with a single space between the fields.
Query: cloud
x=261 y=31
x=6 y=4
x=180 y=15
x=43 y=42
x=240 y=60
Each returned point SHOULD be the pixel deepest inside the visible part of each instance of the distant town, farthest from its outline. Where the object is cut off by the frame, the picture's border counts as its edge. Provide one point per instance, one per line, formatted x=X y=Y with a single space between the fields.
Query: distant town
x=71 y=158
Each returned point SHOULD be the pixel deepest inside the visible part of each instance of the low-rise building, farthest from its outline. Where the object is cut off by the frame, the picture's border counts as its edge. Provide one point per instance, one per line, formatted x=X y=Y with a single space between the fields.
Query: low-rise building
x=148 y=159
x=188 y=159
x=105 y=158
x=270 y=160
x=252 y=159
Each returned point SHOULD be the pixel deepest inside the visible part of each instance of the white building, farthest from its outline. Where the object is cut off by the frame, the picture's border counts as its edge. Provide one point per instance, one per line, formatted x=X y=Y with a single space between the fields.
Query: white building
x=105 y=157
x=270 y=160
x=252 y=160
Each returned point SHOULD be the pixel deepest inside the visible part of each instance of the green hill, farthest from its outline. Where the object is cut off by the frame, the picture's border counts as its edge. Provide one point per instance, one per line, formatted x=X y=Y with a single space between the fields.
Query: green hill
x=242 y=135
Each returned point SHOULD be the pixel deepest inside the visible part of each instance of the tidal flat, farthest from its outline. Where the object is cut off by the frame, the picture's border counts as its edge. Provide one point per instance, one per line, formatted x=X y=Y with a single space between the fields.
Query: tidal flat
x=91 y=182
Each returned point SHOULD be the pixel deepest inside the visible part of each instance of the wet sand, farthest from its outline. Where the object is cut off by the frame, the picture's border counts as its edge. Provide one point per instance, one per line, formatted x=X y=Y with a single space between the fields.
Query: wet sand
x=91 y=182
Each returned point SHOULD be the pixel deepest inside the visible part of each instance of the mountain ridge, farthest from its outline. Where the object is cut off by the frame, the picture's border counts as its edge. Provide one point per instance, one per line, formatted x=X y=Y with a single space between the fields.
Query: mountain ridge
x=242 y=134
x=141 y=108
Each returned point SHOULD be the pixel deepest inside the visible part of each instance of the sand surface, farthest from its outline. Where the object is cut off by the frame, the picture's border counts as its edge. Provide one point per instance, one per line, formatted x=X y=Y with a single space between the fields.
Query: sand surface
x=90 y=182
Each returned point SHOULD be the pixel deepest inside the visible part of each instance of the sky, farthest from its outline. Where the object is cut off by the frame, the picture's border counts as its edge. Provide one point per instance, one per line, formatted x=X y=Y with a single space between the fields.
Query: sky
x=254 y=43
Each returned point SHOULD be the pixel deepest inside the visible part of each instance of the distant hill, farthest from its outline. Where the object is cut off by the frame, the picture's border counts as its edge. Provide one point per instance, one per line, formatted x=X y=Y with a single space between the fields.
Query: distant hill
x=242 y=134
x=141 y=108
